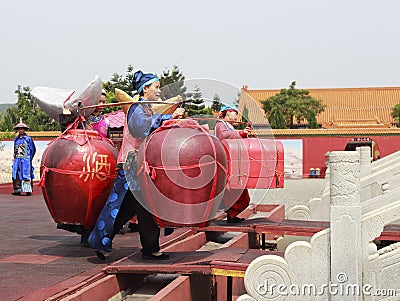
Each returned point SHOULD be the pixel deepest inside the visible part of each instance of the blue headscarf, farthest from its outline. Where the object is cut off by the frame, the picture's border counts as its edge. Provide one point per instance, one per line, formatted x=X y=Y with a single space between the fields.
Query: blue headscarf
x=227 y=107
x=141 y=80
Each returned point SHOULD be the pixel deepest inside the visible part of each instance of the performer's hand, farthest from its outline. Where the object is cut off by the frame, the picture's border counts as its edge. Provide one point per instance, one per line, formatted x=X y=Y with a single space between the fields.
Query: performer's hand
x=247 y=130
x=179 y=112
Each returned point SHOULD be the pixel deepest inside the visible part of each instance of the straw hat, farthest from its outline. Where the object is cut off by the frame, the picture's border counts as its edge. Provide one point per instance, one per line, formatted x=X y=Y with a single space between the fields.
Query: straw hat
x=20 y=125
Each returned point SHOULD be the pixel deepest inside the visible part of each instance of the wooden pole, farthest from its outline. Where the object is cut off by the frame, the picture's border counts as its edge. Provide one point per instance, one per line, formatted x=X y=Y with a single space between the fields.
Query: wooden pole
x=125 y=103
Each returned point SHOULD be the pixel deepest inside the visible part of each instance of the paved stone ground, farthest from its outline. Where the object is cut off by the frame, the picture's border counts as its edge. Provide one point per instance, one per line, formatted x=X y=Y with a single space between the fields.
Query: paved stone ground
x=35 y=256
x=295 y=192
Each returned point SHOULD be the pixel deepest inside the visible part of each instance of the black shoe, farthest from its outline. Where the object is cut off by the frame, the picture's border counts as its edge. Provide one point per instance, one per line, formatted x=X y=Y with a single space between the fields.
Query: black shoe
x=133 y=227
x=162 y=256
x=84 y=244
x=100 y=255
x=234 y=220
x=28 y=193
x=84 y=241
x=168 y=231
x=16 y=193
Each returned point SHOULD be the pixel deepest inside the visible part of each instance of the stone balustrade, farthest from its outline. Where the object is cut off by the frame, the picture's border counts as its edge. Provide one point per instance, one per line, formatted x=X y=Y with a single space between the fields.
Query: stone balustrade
x=342 y=262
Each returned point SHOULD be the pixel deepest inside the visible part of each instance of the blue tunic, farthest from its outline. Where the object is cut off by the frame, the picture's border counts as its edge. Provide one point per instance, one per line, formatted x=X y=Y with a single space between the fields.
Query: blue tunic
x=141 y=123
x=24 y=151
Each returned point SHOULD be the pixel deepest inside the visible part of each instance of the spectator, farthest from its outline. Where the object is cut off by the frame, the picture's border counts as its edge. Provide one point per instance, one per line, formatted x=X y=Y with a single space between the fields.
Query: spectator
x=22 y=169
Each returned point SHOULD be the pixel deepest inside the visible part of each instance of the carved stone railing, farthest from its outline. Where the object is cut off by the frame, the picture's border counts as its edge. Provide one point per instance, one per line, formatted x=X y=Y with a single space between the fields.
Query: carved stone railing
x=342 y=262
x=376 y=179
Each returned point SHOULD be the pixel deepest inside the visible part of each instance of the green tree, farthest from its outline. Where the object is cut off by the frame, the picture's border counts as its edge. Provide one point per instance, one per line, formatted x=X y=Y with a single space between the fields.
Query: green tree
x=38 y=120
x=396 y=113
x=30 y=113
x=195 y=103
x=290 y=104
x=122 y=82
x=8 y=119
x=216 y=104
x=172 y=83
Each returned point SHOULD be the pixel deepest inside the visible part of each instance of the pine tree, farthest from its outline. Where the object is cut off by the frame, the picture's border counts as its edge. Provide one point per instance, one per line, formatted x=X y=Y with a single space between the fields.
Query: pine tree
x=195 y=104
x=292 y=104
x=216 y=104
x=121 y=82
x=172 y=83
x=30 y=113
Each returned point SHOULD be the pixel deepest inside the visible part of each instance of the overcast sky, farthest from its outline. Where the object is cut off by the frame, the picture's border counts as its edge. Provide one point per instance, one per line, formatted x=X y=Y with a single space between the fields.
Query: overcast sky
x=263 y=44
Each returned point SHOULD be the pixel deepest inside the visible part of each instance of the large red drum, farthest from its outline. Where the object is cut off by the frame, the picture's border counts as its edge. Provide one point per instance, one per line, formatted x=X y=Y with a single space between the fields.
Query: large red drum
x=182 y=172
x=254 y=163
x=77 y=174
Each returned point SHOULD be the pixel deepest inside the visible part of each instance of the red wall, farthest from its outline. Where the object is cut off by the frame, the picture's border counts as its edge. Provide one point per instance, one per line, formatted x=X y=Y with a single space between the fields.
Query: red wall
x=315 y=148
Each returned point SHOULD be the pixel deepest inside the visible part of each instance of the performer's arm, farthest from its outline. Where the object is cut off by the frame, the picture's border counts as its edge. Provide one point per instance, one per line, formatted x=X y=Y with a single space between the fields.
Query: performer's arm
x=32 y=147
x=222 y=132
x=141 y=124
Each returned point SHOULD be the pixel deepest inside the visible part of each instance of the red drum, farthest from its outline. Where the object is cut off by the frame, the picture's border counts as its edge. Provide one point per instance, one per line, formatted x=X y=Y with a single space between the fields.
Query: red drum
x=182 y=172
x=77 y=174
x=253 y=162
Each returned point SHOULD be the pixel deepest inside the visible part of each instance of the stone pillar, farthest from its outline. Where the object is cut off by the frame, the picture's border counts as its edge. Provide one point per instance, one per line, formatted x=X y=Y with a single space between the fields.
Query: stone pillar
x=365 y=170
x=345 y=224
x=365 y=160
x=327 y=172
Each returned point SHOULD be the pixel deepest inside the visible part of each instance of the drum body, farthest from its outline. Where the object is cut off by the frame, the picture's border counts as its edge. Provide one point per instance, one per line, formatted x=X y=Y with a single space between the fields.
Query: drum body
x=77 y=175
x=182 y=173
x=254 y=163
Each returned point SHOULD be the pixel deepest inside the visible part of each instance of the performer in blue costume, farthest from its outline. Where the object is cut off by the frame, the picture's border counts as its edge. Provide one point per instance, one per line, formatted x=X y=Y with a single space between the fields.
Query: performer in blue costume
x=124 y=200
x=22 y=169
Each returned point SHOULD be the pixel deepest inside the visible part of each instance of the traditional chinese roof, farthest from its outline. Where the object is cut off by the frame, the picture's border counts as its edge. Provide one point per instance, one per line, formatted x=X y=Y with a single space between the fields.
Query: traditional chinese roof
x=345 y=107
x=333 y=132
x=116 y=119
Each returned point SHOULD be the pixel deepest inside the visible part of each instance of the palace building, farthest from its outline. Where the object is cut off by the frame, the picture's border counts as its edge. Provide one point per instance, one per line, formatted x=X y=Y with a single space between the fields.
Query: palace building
x=345 y=107
x=352 y=117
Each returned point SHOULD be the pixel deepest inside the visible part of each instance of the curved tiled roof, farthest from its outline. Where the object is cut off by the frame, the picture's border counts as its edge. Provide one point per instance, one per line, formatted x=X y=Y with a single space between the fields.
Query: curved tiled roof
x=345 y=107
x=335 y=132
x=116 y=119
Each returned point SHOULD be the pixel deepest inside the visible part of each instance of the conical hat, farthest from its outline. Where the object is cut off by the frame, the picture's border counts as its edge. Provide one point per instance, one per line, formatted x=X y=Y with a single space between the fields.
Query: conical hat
x=122 y=96
x=167 y=108
x=157 y=108
x=20 y=125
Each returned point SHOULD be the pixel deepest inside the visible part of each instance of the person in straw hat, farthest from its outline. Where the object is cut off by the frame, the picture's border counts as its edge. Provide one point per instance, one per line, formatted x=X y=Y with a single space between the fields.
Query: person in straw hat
x=22 y=169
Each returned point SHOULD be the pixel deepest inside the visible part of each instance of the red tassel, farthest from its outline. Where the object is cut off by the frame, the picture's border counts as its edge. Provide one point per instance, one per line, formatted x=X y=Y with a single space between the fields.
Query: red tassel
x=153 y=174
x=43 y=177
x=146 y=167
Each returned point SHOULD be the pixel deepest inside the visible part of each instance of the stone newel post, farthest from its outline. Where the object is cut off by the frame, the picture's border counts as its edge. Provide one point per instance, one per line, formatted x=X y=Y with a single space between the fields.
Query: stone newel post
x=345 y=222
